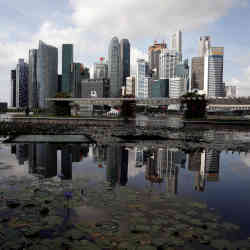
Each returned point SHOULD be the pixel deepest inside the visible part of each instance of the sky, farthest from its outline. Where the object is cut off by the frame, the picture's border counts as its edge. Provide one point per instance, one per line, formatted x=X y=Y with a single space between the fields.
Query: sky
x=91 y=24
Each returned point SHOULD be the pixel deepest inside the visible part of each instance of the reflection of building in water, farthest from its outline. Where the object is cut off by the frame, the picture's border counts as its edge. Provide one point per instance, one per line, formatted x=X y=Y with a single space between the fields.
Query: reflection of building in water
x=66 y=161
x=43 y=160
x=21 y=153
x=117 y=164
x=164 y=162
x=100 y=155
x=194 y=163
x=13 y=149
x=209 y=168
x=212 y=162
x=124 y=167
x=114 y=160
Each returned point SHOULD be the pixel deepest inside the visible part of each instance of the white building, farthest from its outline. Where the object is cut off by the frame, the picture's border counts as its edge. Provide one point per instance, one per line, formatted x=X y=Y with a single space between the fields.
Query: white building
x=176 y=42
x=213 y=72
x=168 y=61
x=231 y=90
x=130 y=85
x=141 y=89
x=177 y=87
x=204 y=45
x=100 y=69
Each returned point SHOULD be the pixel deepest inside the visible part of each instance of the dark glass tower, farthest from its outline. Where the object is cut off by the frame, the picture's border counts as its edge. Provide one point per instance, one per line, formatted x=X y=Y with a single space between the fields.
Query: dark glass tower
x=125 y=60
x=32 y=83
x=13 y=88
x=67 y=60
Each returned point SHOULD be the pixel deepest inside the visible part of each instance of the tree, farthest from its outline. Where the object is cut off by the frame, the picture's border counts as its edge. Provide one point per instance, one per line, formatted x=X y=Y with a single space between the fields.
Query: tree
x=194 y=105
x=128 y=108
x=62 y=107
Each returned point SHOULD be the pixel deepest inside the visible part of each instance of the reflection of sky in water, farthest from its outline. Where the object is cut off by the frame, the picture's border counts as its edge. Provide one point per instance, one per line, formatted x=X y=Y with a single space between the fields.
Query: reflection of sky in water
x=222 y=180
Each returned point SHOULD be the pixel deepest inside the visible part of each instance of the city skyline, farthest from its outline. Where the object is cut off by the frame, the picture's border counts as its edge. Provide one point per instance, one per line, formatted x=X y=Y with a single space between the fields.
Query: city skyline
x=57 y=24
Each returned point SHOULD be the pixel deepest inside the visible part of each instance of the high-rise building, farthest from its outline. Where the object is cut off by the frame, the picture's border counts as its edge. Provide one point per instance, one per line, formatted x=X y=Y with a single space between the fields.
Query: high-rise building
x=204 y=45
x=125 y=60
x=154 y=52
x=197 y=80
x=177 y=87
x=176 y=42
x=13 y=89
x=67 y=60
x=47 y=73
x=231 y=90
x=114 y=65
x=213 y=72
x=32 y=88
x=130 y=85
x=168 y=61
x=101 y=70
x=22 y=73
x=84 y=72
x=76 y=80
x=141 y=88
x=182 y=70
x=59 y=83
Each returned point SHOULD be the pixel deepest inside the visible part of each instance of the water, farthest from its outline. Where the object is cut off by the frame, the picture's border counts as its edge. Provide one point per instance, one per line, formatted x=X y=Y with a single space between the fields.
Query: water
x=220 y=179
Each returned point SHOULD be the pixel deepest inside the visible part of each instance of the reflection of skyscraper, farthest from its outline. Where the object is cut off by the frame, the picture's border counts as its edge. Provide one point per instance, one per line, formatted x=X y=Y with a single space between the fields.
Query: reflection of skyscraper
x=114 y=161
x=43 y=160
x=194 y=163
x=212 y=165
x=66 y=162
x=22 y=153
x=124 y=167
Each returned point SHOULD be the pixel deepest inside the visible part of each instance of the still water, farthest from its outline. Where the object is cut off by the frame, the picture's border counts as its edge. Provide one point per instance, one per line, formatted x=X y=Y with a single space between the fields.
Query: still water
x=220 y=179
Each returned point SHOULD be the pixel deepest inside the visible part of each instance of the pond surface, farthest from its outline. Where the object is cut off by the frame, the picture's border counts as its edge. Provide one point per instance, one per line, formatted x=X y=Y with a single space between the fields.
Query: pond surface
x=221 y=180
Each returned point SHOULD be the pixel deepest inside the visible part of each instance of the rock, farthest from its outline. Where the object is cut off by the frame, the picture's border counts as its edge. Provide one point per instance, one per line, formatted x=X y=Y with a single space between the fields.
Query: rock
x=13 y=203
x=44 y=211
x=221 y=244
x=146 y=248
x=140 y=229
x=126 y=246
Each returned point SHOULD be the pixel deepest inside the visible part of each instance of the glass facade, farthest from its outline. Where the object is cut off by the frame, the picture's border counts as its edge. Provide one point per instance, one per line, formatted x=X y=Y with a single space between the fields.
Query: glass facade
x=114 y=68
x=67 y=60
x=32 y=86
x=47 y=73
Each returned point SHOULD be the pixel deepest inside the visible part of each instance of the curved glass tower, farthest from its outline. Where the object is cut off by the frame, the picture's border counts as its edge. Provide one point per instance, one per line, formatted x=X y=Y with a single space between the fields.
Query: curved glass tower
x=47 y=71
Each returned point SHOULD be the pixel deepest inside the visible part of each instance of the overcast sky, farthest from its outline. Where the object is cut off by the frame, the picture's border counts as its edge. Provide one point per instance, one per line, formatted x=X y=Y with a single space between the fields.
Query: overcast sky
x=90 y=25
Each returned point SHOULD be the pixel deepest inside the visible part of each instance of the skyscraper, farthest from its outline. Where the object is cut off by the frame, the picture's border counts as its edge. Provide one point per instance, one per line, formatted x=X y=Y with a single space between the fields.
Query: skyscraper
x=213 y=72
x=154 y=52
x=13 y=89
x=76 y=80
x=177 y=87
x=101 y=69
x=47 y=73
x=141 y=90
x=67 y=60
x=22 y=72
x=204 y=45
x=168 y=61
x=197 y=81
x=32 y=85
x=125 y=60
x=176 y=42
x=114 y=70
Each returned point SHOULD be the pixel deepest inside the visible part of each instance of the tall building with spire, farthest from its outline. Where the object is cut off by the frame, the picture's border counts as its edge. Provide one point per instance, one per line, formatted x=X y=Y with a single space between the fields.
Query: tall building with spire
x=125 y=60
x=204 y=45
x=47 y=73
x=176 y=42
x=114 y=68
